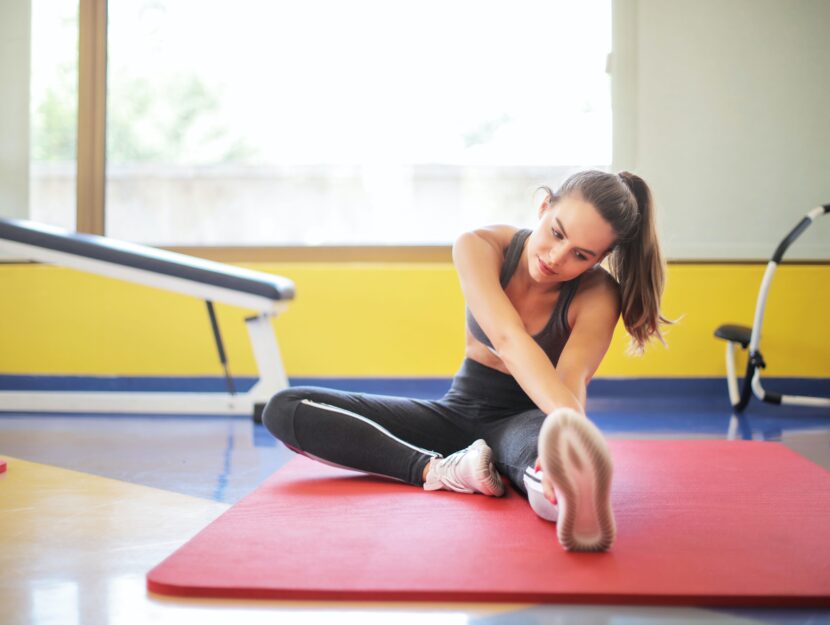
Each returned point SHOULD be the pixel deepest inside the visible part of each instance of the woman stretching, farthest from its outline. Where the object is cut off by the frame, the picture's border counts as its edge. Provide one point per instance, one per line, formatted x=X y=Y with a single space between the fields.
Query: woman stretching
x=541 y=312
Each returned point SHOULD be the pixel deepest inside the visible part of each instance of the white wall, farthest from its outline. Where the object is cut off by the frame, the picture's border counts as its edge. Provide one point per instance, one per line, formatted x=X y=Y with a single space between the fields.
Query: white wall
x=15 y=20
x=723 y=106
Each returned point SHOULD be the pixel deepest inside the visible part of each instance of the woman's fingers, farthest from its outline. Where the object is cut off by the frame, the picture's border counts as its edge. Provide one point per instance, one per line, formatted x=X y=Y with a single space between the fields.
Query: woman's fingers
x=547 y=490
x=547 y=485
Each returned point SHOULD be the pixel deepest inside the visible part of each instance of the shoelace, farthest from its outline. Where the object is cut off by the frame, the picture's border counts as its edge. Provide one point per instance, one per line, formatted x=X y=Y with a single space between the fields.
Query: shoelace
x=448 y=470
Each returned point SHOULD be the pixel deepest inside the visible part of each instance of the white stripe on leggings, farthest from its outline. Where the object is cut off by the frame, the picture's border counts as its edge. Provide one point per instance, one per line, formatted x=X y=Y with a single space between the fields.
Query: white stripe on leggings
x=379 y=428
x=343 y=466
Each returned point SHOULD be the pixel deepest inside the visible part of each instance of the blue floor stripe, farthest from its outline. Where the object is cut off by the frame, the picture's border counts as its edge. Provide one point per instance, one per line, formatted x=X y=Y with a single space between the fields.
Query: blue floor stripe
x=697 y=406
x=137 y=384
x=420 y=387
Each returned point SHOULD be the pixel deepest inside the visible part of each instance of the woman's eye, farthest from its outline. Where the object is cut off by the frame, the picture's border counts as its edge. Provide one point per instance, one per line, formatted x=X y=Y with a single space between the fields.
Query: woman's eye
x=556 y=233
x=581 y=256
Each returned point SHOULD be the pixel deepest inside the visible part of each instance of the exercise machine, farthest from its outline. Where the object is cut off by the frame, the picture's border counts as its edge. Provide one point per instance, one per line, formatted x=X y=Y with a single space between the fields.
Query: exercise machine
x=750 y=338
x=266 y=294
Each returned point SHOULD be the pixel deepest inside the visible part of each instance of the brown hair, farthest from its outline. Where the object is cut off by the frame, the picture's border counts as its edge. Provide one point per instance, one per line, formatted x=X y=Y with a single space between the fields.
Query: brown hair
x=624 y=201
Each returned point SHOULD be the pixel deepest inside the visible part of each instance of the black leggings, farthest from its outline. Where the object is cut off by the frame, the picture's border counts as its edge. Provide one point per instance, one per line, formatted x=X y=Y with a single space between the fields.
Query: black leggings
x=396 y=437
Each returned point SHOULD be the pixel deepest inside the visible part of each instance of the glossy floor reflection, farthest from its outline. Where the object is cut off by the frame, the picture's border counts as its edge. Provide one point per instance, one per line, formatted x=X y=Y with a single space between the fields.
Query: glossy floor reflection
x=90 y=504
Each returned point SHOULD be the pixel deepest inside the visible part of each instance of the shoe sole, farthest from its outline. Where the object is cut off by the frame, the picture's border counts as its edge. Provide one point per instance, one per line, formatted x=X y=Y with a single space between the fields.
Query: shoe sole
x=488 y=477
x=576 y=456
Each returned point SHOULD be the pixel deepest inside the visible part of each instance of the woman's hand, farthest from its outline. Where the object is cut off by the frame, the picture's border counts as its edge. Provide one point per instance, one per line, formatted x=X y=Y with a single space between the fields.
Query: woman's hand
x=547 y=484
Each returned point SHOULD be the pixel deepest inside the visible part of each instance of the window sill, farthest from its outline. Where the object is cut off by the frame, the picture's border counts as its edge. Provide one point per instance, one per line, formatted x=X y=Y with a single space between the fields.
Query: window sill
x=321 y=254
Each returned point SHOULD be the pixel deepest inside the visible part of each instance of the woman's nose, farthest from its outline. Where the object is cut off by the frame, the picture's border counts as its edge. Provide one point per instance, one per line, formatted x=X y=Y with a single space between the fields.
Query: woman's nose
x=556 y=255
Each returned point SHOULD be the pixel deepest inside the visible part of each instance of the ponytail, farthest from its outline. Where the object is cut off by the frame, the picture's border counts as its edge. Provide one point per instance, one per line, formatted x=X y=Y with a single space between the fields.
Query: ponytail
x=624 y=201
x=638 y=265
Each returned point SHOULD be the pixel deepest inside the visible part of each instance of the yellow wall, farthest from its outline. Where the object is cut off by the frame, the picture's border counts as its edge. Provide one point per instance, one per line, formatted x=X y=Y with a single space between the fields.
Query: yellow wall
x=376 y=320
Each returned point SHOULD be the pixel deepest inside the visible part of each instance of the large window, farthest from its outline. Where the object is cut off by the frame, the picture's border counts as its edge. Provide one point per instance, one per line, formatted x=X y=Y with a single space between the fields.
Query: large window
x=361 y=122
x=322 y=121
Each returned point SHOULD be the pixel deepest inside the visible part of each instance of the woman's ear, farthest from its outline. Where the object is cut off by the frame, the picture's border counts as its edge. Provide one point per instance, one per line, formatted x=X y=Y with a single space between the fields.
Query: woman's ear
x=604 y=256
x=545 y=205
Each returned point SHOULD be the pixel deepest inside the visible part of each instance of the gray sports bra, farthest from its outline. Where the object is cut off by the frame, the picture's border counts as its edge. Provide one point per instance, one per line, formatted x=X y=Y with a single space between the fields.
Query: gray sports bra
x=554 y=335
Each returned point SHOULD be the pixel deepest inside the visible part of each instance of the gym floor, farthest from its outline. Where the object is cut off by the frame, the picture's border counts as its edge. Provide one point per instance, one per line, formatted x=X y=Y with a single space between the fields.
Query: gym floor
x=89 y=504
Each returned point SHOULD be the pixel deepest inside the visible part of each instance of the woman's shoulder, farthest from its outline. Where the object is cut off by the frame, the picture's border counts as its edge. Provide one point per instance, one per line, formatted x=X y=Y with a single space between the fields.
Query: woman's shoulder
x=598 y=284
x=597 y=293
x=498 y=235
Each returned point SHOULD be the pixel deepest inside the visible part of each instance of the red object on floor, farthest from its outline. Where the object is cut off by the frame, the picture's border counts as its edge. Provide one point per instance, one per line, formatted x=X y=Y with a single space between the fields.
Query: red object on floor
x=698 y=523
x=2 y=466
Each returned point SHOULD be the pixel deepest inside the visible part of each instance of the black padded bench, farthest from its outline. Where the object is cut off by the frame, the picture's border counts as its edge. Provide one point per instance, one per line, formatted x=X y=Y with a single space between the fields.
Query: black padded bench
x=266 y=294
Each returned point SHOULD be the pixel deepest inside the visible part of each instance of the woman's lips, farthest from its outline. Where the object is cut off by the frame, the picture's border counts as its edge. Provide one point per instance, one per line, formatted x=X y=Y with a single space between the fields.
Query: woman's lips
x=544 y=268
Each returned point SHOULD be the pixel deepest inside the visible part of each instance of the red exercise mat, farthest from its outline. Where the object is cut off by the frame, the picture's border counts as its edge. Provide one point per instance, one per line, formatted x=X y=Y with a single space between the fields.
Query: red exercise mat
x=698 y=523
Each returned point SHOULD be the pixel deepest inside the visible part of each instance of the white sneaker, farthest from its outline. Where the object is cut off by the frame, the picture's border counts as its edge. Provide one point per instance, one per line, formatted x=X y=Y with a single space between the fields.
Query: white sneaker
x=470 y=470
x=536 y=496
x=574 y=454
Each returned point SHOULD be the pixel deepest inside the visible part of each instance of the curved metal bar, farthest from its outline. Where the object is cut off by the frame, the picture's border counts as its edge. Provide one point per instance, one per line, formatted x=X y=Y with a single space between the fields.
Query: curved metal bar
x=796 y=232
x=771 y=267
x=760 y=306
x=790 y=238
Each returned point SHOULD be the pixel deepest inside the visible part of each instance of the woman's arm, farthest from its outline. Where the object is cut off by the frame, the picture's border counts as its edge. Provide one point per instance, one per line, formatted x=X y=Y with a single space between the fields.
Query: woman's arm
x=595 y=318
x=478 y=256
x=596 y=312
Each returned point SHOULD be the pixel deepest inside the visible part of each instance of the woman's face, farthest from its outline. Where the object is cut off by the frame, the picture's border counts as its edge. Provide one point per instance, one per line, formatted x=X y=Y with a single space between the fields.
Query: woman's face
x=570 y=238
